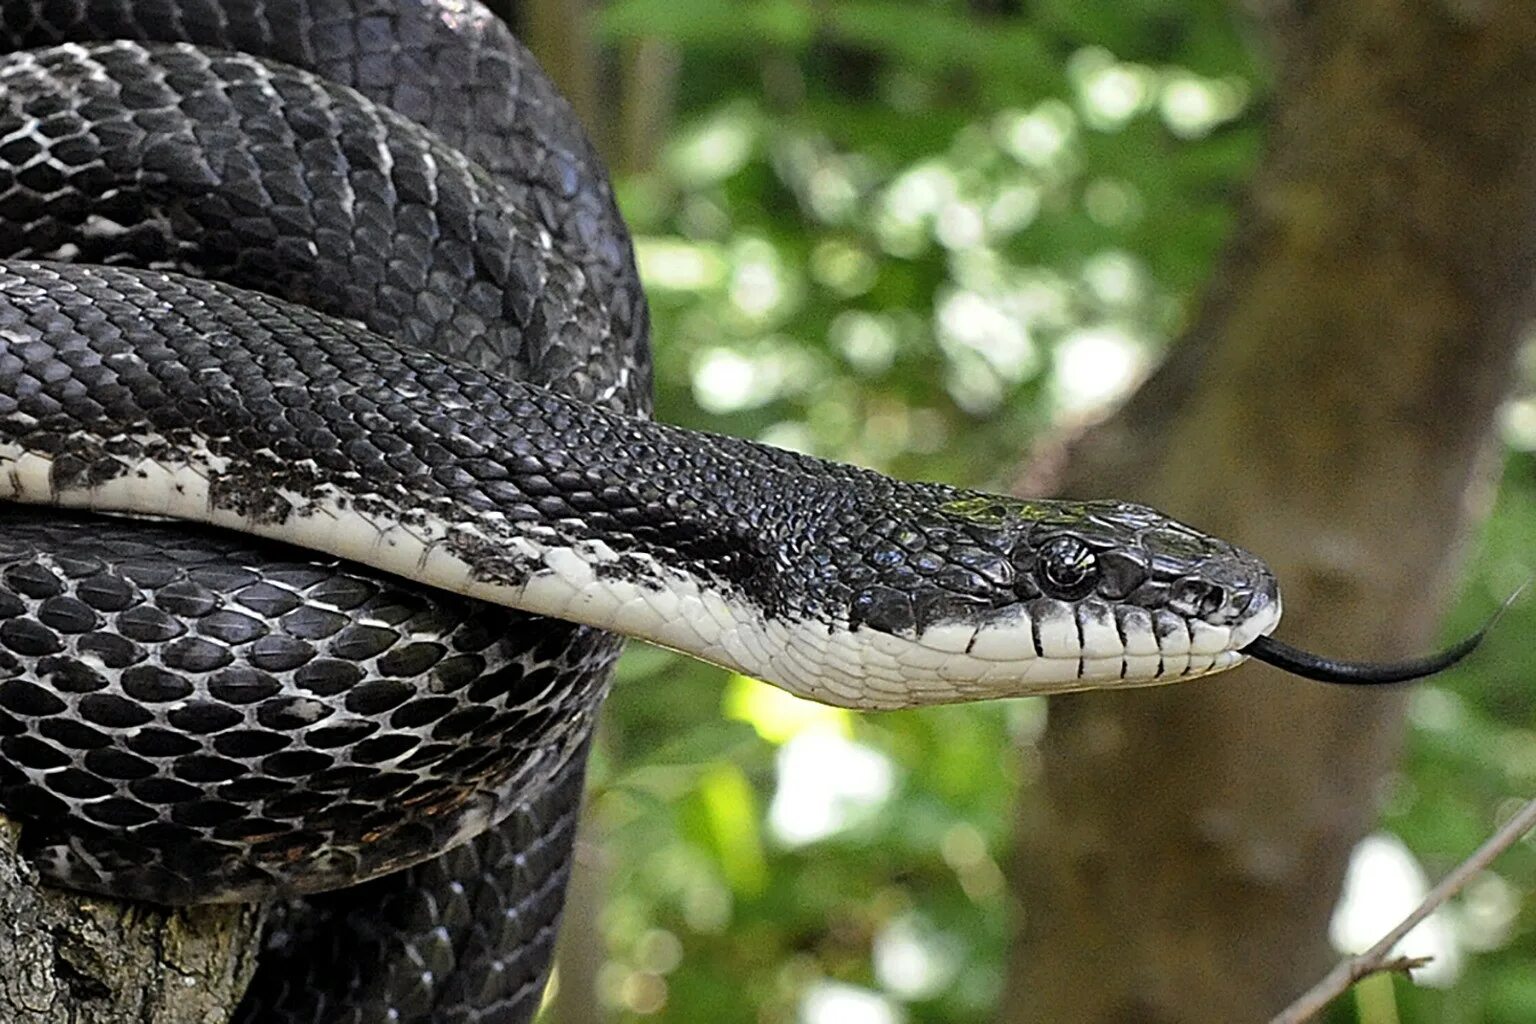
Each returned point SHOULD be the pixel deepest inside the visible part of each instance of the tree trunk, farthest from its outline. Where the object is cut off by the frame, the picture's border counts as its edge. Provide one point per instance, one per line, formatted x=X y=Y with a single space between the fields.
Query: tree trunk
x=559 y=32
x=1332 y=409
x=90 y=961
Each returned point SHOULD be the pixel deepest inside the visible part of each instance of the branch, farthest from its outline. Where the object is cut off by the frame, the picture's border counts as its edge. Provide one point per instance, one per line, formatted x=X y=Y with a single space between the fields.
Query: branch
x=1378 y=958
x=90 y=960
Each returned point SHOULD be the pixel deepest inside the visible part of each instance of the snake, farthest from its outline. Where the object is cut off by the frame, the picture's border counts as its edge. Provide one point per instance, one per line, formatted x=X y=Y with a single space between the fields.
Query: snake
x=329 y=492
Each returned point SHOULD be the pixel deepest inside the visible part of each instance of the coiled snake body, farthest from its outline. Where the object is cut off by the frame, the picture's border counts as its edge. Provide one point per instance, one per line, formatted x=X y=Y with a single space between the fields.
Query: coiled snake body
x=340 y=284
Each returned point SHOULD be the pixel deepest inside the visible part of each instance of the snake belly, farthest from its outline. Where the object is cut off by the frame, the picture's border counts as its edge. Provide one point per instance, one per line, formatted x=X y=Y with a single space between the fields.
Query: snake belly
x=190 y=714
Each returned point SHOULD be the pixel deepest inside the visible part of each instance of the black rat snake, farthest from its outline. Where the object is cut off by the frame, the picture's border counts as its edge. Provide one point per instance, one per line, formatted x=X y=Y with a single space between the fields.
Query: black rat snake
x=341 y=283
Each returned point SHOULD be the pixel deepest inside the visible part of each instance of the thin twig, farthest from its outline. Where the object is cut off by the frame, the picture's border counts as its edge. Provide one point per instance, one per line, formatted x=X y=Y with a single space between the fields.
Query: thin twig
x=1378 y=958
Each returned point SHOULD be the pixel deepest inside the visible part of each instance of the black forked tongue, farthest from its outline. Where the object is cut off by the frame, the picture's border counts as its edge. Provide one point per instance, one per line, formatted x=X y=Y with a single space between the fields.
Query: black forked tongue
x=1363 y=673
x=1359 y=673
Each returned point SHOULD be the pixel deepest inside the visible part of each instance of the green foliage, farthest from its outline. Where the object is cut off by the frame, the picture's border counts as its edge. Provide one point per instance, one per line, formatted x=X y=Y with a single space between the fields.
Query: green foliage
x=1471 y=760
x=913 y=236
x=910 y=236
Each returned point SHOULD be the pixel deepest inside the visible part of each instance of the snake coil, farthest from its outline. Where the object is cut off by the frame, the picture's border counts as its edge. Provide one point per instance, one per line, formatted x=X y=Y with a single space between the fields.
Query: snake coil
x=400 y=163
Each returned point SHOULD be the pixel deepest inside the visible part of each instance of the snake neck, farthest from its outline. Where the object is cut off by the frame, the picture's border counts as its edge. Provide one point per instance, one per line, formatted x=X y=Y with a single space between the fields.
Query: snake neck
x=344 y=443
x=226 y=407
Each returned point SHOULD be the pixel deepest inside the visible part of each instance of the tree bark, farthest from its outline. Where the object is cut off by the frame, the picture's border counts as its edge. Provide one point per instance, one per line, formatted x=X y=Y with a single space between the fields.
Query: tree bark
x=72 y=959
x=1332 y=409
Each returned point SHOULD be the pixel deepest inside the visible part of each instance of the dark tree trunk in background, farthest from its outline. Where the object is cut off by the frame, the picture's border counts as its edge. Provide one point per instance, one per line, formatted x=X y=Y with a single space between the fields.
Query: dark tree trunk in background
x=559 y=32
x=623 y=95
x=1332 y=409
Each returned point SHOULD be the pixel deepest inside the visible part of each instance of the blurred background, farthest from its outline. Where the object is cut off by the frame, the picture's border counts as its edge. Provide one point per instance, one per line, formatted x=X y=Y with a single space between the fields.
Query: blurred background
x=944 y=238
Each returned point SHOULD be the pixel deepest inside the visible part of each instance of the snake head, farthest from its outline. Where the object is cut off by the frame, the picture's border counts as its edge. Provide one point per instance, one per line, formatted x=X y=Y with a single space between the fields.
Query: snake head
x=1133 y=555
x=983 y=596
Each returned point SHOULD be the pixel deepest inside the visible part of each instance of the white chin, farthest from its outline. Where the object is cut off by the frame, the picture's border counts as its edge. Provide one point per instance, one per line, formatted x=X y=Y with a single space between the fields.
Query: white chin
x=1258 y=625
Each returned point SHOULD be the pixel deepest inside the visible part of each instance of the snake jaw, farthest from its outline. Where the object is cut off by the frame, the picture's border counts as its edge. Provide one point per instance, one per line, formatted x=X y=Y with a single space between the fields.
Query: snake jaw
x=1097 y=595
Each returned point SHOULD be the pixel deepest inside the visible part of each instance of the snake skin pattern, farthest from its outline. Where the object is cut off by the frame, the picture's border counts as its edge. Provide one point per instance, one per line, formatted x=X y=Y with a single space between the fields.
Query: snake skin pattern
x=448 y=65
x=226 y=406
x=126 y=149
x=224 y=725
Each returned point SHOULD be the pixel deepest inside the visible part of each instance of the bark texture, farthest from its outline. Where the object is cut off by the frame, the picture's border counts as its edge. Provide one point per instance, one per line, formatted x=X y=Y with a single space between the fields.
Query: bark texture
x=1331 y=408
x=69 y=959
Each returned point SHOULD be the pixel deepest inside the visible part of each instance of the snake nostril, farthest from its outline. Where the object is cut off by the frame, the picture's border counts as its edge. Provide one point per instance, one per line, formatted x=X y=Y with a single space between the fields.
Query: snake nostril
x=1197 y=598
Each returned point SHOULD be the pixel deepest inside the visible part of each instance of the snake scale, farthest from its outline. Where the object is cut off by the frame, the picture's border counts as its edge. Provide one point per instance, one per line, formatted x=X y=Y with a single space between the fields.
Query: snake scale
x=503 y=182
x=329 y=492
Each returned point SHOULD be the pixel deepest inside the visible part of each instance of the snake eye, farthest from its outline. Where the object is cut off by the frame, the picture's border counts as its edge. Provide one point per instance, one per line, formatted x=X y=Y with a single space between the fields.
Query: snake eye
x=1066 y=568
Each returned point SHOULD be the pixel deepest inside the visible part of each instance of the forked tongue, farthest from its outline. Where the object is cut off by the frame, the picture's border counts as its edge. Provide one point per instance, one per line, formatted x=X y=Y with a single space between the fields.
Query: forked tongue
x=1363 y=673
